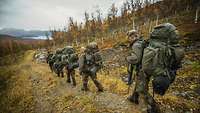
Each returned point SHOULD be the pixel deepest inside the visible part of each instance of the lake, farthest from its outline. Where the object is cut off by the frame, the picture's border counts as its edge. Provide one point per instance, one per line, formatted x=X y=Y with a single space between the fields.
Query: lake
x=38 y=37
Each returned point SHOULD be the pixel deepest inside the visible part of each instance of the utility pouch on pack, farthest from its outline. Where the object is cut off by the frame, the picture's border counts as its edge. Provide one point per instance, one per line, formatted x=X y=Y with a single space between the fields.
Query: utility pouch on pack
x=159 y=60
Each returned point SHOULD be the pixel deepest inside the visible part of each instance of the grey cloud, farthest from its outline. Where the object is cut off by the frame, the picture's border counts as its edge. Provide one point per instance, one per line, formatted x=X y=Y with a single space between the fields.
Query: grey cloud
x=42 y=14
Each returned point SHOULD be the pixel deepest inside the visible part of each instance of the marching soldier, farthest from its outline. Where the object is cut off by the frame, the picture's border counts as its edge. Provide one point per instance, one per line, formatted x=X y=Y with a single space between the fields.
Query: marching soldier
x=70 y=59
x=89 y=64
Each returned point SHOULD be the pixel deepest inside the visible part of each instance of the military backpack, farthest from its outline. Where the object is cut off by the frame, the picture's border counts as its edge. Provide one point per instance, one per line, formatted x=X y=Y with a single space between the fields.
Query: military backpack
x=162 y=57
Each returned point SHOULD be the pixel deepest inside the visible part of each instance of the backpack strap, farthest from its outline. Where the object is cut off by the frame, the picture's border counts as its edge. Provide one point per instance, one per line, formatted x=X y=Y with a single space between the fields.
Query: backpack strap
x=144 y=45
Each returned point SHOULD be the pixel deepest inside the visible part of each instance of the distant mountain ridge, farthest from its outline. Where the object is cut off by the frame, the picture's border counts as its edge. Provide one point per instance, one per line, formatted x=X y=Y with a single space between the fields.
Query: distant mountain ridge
x=23 y=33
x=9 y=37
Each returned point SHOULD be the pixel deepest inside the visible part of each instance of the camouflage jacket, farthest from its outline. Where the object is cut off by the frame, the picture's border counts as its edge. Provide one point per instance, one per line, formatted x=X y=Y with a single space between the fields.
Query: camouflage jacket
x=49 y=57
x=136 y=51
x=70 y=60
x=90 y=63
x=56 y=58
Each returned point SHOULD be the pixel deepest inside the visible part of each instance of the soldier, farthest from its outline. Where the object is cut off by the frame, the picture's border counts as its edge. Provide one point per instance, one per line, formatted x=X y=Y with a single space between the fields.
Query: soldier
x=70 y=59
x=137 y=45
x=89 y=64
x=158 y=59
x=49 y=55
x=58 y=64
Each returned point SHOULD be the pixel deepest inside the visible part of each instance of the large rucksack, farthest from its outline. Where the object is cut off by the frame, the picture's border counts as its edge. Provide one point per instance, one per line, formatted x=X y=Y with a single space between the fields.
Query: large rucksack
x=162 y=57
x=68 y=50
x=91 y=60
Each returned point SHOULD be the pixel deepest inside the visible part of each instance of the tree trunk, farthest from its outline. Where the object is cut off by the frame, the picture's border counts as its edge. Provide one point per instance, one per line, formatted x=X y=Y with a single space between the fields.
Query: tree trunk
x=76 y=42
x=134 y=23
x=150 y=24
x=196 y=18
x=102 y=41
x=95 y=39
x=157 y=20
x=187 y=8
x=88 y=41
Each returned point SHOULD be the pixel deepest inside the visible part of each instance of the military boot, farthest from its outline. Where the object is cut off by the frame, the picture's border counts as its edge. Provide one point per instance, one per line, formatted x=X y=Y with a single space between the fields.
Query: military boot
x=97 y=83
x=134 y=98
x=100 y=87
x=153 y=108
x=74 y=84
x=68 y=77
x=72 y=73
x=100 y=90
x=85 y=87
x=68 y=80
x=58 y=74
x=62 y=74
x=73 y=80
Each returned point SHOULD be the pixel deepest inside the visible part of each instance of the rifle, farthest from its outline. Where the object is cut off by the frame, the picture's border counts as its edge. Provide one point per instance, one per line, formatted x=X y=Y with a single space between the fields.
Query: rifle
x=130 y=75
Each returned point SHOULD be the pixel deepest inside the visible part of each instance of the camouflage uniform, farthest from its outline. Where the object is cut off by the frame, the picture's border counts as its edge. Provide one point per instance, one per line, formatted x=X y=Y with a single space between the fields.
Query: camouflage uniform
x=70 y=58
x=90 y=62
x=58 y=64
x=140 y=93
x=48 y=59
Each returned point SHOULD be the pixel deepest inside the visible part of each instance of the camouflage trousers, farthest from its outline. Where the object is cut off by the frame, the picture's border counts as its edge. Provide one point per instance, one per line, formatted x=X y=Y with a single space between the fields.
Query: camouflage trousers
x=85 y=77
x=71 y=76
x=60 y=74
x=51 y=66
x=141 y=95
x=58 y=69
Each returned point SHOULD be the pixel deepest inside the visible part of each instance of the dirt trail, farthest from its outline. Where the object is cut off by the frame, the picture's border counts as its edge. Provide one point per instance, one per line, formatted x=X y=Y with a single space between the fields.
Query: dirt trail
x=30 y=87
x=52 y=94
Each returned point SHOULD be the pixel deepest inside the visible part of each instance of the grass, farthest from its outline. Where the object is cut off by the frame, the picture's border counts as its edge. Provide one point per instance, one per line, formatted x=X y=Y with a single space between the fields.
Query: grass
x=15 y=91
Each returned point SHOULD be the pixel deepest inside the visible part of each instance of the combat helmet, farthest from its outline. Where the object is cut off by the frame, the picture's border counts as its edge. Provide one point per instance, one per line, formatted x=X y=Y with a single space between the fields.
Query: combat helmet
x=92 y=47
x=68 y=50
x=166 y=33
x=133 y=34
x=58 y=51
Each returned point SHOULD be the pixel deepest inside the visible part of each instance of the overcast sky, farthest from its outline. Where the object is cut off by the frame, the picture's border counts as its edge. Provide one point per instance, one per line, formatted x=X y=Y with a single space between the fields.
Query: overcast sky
x=45 y=14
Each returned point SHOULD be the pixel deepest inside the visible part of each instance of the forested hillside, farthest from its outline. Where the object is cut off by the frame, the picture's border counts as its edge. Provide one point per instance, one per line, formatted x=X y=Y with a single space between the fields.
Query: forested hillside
x=133 y=14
